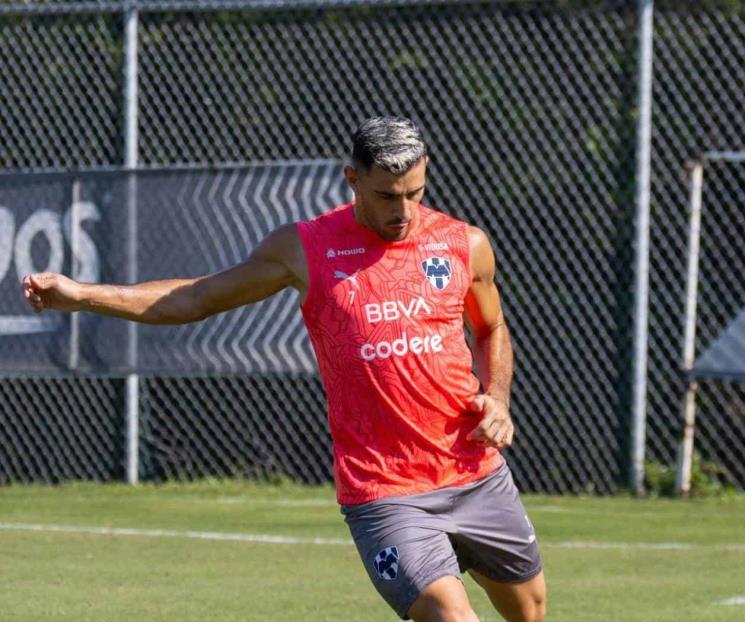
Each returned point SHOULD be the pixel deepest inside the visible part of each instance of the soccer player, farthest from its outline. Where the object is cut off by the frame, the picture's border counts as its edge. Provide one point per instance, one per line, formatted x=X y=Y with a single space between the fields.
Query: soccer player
x=385 y=287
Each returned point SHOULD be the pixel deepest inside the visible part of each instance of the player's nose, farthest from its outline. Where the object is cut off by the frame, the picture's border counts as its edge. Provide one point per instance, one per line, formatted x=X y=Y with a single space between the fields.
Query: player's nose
x=404 y=210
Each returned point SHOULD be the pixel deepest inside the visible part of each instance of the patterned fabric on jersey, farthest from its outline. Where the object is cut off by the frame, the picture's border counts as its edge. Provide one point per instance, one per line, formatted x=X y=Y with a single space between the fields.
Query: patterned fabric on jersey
x=386 y=323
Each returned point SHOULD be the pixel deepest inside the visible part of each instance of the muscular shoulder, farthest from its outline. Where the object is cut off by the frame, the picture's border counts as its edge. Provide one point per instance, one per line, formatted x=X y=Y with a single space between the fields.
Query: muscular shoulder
x=283 y=245
x=282 y=240
x=483 y=265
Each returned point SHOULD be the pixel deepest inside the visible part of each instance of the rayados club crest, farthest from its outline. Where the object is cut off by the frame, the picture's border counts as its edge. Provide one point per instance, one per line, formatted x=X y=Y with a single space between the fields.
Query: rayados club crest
x=437 y=270
x=386 y=563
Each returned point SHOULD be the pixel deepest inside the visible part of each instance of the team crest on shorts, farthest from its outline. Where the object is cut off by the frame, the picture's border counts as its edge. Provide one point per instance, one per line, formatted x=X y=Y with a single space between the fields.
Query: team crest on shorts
x=386 y=563
x=437 y=270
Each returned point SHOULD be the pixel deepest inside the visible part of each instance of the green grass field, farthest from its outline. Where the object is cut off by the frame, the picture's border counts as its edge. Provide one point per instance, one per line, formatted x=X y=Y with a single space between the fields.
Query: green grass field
x=606 y=558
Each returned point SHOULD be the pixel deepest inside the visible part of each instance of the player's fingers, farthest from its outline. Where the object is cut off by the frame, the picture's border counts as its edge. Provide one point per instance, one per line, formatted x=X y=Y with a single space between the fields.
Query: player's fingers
x=477 y=404
x=509 y=437
x=487 y=430
x=498 y=433
x=31 y=295
x=475 y=434
x=502 y=437
x=505 y=438
x=494 y=432
x=486 y=436
x=481 y=431
x=492 y=443
x=41 y=281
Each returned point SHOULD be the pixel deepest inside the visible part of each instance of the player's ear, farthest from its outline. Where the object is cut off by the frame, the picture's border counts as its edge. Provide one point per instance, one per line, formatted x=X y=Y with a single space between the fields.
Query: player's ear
x=351 y=174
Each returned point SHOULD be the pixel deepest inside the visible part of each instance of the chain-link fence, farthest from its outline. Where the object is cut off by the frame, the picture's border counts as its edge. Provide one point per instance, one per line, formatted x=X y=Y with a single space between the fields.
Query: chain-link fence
x=721 y=296
x=530 y=112
x=698 y=95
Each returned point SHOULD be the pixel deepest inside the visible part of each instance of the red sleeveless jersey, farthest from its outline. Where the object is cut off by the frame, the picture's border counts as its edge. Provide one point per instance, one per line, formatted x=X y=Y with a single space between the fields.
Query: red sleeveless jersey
x=386 y=323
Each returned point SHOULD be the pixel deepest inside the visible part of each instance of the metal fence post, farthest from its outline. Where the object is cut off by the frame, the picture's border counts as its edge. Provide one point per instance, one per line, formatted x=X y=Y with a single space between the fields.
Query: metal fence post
x=685 y=451
x=74 y=358
x=641 y=289
x=131 y=22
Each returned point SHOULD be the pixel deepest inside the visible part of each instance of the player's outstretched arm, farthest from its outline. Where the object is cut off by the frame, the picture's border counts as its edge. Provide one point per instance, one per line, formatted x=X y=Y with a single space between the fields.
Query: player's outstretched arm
x=272 y=266
x=491 y=344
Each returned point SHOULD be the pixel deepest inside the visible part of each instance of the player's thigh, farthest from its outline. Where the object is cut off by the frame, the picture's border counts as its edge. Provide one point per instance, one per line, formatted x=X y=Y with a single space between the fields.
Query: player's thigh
x=404 y=563
x=444 y=600
x=523 y=601
x=404 y=549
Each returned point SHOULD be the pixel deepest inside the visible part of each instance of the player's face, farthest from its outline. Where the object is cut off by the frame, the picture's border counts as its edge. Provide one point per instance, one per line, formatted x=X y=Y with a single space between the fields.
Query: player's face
x=387 y=203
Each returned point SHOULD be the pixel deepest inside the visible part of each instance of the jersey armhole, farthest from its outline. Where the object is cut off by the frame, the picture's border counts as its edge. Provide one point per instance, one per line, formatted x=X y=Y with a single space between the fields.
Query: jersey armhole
x=469 y=272
x=305 y=235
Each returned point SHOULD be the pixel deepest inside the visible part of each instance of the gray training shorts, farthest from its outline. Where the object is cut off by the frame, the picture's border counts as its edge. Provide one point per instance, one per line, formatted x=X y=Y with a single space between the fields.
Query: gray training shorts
x=410 y=541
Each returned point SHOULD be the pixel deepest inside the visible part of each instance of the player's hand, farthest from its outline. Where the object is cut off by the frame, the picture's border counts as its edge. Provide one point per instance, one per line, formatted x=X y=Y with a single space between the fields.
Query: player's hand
x=48 y=290
x=495 y=428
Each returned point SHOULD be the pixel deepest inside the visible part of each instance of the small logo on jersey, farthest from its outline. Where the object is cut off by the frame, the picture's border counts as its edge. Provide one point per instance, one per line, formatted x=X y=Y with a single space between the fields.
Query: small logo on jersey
x=344 y=252
x=386 y=563
x=344 y=276
x=434 y=246
x=437 y=270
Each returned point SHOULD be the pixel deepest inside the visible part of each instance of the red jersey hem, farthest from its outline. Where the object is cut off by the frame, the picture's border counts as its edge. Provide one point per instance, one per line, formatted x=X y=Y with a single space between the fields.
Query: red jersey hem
x=416 y=488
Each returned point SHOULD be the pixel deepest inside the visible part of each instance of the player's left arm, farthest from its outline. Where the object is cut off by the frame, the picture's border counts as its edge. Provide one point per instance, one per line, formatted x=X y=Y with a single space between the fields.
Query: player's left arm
x=492 y=347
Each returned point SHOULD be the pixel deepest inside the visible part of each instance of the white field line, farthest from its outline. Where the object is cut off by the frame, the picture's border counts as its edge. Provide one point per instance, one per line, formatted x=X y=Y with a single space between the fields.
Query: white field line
x=270 y=539
x=290 y=503
x=330 y=503
x=643 y=546
x=557 y=509
x=732 y=602
x=171 y=533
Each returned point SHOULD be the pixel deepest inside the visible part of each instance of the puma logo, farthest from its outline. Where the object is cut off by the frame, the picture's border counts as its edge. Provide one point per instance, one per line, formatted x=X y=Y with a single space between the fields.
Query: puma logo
x=344 y=276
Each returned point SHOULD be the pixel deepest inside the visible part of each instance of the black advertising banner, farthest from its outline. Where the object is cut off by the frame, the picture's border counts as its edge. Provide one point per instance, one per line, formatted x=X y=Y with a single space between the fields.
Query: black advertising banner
x=186 y=223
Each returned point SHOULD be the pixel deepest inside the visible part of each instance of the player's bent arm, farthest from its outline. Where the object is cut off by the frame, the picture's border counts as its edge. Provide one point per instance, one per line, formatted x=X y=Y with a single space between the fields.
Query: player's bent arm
x=483 y=315
x=176 y=301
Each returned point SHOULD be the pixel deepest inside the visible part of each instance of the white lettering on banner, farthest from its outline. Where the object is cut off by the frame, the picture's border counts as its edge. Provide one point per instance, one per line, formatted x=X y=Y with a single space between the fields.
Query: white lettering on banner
x=87 y=265
x=7 y=233
x=48 y=223
x=401 y=347
x=390 y=310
